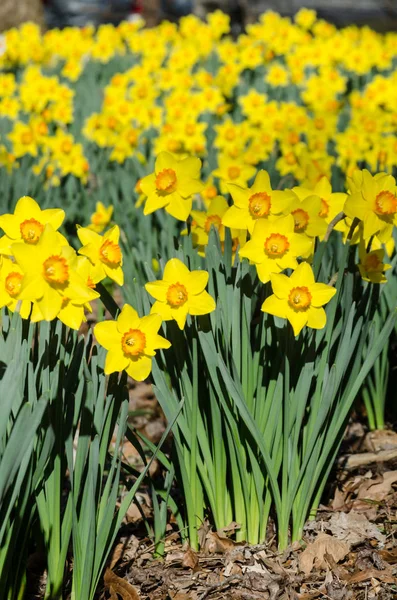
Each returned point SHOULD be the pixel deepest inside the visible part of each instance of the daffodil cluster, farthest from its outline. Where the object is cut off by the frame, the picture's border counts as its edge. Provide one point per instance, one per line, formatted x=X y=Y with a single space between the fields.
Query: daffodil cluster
x=299 y=95
x=278 y=230
x=42 y=276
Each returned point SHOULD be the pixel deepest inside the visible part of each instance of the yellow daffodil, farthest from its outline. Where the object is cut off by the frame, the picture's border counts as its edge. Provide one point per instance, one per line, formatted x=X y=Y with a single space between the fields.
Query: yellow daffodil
x=307 y=218
x=104 y=253
x=101 y=217
x=299 y=299
x=202 y=221
x=131 y=342
x=27 y=223
x=73 y=311
x=254 y=203
x=372 y=266
x=274 y=246
x=374 y=202
x=232 y=170
x=50 y=274
x=180 y=292
x=172 y=185
x=11 y=277
x=331 y=203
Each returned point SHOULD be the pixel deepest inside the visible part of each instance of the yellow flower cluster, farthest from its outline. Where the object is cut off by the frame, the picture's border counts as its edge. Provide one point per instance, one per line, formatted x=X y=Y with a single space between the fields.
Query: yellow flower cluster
x=40 y=108
x=303 y=96
x=42 y=276
x=282 y=226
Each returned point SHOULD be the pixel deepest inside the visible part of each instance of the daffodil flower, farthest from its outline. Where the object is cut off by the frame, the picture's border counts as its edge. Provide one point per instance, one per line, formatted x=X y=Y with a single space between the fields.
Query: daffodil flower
x=275 y=246
x=11 y=277
x=50 y=274
x=299 y=299
x=131 y=342
x=257 y=202
x=27 y=223
x=371 y=265
x=374 y=202
x=101 y=217
x=180 y=292
x=172 y=185
x=104 y=253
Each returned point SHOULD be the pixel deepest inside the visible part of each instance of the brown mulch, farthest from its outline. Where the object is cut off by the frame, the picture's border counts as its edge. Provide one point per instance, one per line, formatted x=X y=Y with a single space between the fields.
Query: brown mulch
x=348 y=552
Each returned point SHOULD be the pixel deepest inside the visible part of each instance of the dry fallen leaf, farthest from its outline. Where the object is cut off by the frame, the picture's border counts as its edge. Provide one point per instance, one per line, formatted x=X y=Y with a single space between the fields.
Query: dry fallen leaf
x=314 y=554
x=380 y=439
x=190 y=559
x=368 y=574
x=377 y=489
x=215 y=543
x=126 y=550
x=229 y=529
x=353 y=528
x=119 y=587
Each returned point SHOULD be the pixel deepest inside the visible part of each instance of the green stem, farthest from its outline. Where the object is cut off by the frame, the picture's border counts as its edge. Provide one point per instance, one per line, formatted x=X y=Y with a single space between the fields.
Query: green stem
x=193 y=476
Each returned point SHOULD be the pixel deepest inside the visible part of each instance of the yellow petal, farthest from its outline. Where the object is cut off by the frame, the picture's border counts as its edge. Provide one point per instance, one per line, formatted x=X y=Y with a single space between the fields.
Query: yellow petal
x=201 y=304
x=107 y=334
x=297 y=319
x=179 y=207
x=87 y=236
x=158 y=289
x=179 y=314
x=127 y=319
x=114 y=273
x=275 y=306
x=281 y=285
x=303 y=275
x=321 y=294
x=197 y=282
x=176 y=271
x=316 y=317
x=115 y=361
x=53 y=216
x=162 y=309
x=262 y=183
x=140 y=368
x=50 y=304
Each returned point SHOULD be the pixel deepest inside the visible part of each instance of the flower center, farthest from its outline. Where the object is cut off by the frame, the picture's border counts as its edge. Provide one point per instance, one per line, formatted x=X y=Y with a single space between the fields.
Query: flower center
x=290 y=159
x=385 y=203
x=31 y=231
x=133 y=342
x=301 y=218
x=299 y=298
x=132 y=137
x=230 y=134
x=176 y=294
x=259 y=205
x=66 y=147
x=98 y=219
x=13 y=283
x=372 y=263
x=26 y=138
x=90 y=283
x=166 y=181
x=210 y=192
x=214 y=220
x=110 y=252
x=233 y=172
x=190 y=129
x=42 y=128
x=276 y=245
x=324 y=210
x=55 y=269
x=112 y=123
